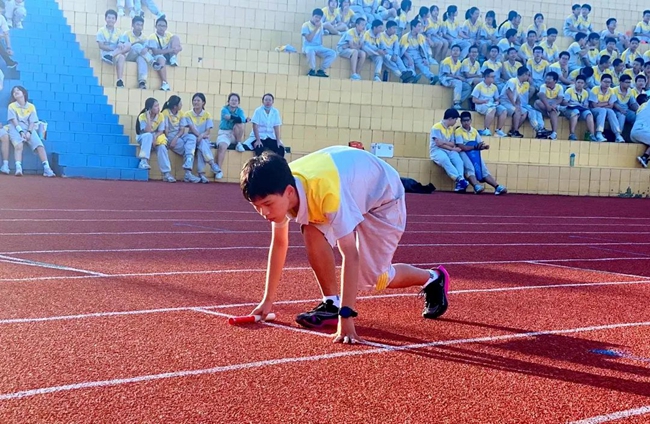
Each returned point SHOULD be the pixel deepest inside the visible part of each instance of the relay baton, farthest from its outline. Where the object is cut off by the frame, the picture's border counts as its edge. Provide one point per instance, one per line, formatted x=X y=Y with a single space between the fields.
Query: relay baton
x=249 y=319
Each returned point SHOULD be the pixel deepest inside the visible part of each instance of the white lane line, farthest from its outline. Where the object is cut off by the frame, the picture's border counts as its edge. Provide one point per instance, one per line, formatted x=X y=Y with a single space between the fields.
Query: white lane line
x=599 y=271
x=26 y=262
x=615 y=416
x=313 y=358
x=302 y=268
x=211 y=308
x=239 y=247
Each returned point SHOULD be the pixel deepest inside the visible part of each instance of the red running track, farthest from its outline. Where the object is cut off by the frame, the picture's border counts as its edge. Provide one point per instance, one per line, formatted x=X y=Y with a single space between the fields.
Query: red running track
x=115 y=297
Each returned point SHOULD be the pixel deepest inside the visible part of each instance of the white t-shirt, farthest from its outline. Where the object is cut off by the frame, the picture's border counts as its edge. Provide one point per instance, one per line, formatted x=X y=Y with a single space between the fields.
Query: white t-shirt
x=265 y=122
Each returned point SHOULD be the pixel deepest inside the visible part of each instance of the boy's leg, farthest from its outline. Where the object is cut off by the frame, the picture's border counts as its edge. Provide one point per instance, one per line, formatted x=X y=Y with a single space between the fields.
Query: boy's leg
x=327 y=56
x=321 y=259
x=441 y=158
x=311 y=58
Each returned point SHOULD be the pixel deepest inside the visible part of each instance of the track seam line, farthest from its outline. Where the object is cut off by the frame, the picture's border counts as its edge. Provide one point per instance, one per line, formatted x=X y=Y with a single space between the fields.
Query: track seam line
x=313 y=358
x=27 y=262
x=614 y=416
x=209 y=309
x=589 y=269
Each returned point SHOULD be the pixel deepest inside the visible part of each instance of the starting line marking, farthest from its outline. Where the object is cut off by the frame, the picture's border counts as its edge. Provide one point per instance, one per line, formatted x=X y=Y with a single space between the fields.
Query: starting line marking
x=281 y=361
x=615 y=416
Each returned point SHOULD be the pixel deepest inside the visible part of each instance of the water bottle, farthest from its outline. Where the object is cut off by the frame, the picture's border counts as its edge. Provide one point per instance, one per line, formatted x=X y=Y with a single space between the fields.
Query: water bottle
x=572 y=159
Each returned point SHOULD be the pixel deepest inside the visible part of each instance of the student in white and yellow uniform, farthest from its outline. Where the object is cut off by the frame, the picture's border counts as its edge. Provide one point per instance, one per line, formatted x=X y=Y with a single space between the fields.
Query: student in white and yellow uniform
x=601 y=100
x=642 y=29
x=392 y=58
x=165 y=47
x=512 y=22
x=526 y=49
x=578 y=51
x=593 y=48
x=539 y=27
x=641 y=130
x=470 y=30
x=550 y=99
x=510 y=65
x=488 y=36
x=486 y=98
x=471 y=67
x=538 y=67
x=570 y=28
x=604 y=67
x=413 y=49
x=312 y=45
x=150 y=133
x=452 y=31
x=632 y=52
x=342 y=197
x=561 y=68
x=576 y=107
x=625 y=106
x=464 y=135
x=622 y=41
x=610 y=49
x=451 y=76
x=493 y=63
x=332 y=23
x=371 y=45
x=551 y=51
x=23 y=120
x=350 y=46
x=139 y=51
x=435 y=31
x=584 y=22
x=199 y=122
x=110 y=50
x=443 y=151
x=176 y=136
x=347 y=14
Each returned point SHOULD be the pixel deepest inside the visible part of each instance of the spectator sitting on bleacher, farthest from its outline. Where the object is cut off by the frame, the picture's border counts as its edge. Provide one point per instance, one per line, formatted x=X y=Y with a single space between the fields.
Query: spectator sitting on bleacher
x=570 y=28
x=610 y=49
x=200 y=124
x=584 y=22
x=332 y=23
x=347 y=15
x=266 y=128
x=140 y=53
x=576 y=107
x=387 y=10
x=231 y=127
x=578 y=52
x=312 y=45
x=164 y=45
x=601 y=100
x=486 y=98
x=151 y=5
x=631 y=53
x=444 y=152
x=4 y=149
x=639 y=85
x=350 y=46
x=150 y=133
x=551 y=51
x=467 y=134
x=625 y=105
x=610 y=32
x=642 y=29
x=23 y=121
x=5 y=48
x=15 y=13
x=550 y=98
x=176 y=134
x=110 y=50
x=641 y=131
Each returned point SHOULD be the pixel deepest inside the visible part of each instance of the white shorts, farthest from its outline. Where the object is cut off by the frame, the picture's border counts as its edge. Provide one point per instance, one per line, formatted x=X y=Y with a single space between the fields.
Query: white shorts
x=484 y=109
x=346 y=53
x=225 y=137
x=34 y=142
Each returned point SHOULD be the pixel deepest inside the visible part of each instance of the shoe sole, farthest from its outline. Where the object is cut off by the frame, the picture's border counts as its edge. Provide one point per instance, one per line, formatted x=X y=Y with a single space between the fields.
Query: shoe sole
x=305 y=322
x=440 y=312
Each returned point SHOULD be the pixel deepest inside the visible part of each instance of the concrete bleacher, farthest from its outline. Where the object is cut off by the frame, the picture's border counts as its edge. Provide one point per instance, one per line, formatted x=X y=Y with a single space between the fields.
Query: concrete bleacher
x=221 y=56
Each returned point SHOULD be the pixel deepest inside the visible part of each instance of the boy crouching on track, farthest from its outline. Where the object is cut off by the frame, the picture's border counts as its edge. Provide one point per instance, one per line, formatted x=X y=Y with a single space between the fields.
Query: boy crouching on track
x=346 y=197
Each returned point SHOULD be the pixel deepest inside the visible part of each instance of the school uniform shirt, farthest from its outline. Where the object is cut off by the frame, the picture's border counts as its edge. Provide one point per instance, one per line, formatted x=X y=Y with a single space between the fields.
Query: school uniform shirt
x=537 y=70
x=390 y=44
x=469 y=67
x=346 y=17
x=554 y=95
x=552 y=53
x=441 y=132
x=338 y=185
x=463 y=136
x=574 y=50
x=173 y=123
x=625 y=100
x=157 y=41
x=593 y=54
x=597 y=96
x=402 y=19
x=605 y=34
x=108 y=37
x=448 y=67
x=413 y=44
x=331 y=17
x=369 y=40
x=227 y=125
x=452 y=28
x=307 y=29
x=495 y=66
x=513 y=85
x=584 y=24
x=472 y=29
x=432 y=28
x=130 y=37
x=266 y=122
x=574 y=98
x=569 y=22
x=201 y=122
x=541 y=31
x=25 y=115
x=612 y=55
x=636 y=93
x=557 y=68
x=598 y=74
x=510 y=70
x=157 y=125
x=646 y=56
x=523 y=91
x=488 y=31
x=642 y=29
x=504 y=46
x=484 y=92
x=629 y=56
x=508 y=25
x=349 y=36
x=527 y=51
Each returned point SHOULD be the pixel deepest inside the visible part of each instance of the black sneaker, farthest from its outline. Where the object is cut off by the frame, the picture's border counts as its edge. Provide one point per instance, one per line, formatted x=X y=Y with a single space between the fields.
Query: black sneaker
x=325 y=314
x=322 y=74
x=435 y=295
x=108 y=58
x=120 y=83
x=142 y=85
x=311 y=73
x=516 y=134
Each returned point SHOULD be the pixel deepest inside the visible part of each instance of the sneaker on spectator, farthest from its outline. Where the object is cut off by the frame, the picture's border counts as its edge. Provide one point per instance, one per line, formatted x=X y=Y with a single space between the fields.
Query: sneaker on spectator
x=500 y=133
x=120 y=11
x=321 y=73
x=218 y=175
x=457 y=106
x=312 y=73
x=377 y=78
x=4 y=169
x=165 y=86
x=500 y=190
x=142 y=85
x=120 y=83
x=434 y=80
x=156 y=66
x=240 y=147
x=325 y=314
x=478 y=189
x=144 y=164
x=553 y=136
x=485 y=133
x=600 y=136
x=19 y=170
x=643 y=161
x=132 y=14
x=168 y=178
x=355 y=77
x=108 y=58
x=573 y=137
x=215 y=168
x=203 y=178
x=619 y=138
x=173 y=61
x=160 y=15
x=515 y=134
x=461 y=185
x=592 y=137
x=189 y=178
x=47 y=172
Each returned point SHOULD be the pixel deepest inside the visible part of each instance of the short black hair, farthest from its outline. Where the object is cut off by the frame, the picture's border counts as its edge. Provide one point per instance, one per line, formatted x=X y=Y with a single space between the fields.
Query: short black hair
x=137 y=19
x=564 y=53
x=265 y=175
x=553 y=75
x=551 y=31
x=465 y=115
x=538 y=48
x=451 y=114
x=317 y=12
x=522 y=71
x=487 y=72
x=587 y=71
x=110 y=12
x=606 y=76
x=391 y=24
x=624 y=78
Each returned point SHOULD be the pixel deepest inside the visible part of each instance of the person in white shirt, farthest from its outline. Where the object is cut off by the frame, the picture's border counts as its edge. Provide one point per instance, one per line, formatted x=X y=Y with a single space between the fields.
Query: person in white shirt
x=266 y=129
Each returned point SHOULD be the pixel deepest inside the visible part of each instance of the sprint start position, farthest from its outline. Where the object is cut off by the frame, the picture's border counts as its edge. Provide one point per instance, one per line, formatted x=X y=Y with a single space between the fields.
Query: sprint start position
x=346 y=197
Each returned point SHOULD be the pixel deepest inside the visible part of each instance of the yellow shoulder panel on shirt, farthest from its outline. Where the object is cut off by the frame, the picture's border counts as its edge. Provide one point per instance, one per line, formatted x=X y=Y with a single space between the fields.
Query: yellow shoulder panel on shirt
x=320 y=178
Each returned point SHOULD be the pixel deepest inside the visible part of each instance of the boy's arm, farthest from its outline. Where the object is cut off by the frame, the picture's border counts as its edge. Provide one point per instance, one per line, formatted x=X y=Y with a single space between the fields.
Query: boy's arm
x=346 y=332
x=277 y=256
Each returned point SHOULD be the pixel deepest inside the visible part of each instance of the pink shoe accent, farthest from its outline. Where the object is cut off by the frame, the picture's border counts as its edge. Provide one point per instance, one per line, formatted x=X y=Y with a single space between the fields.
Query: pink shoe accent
x=444 y=272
